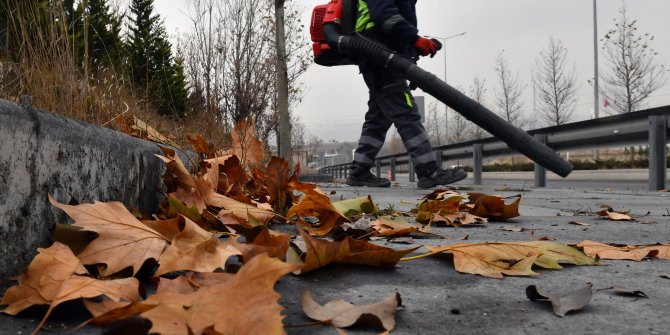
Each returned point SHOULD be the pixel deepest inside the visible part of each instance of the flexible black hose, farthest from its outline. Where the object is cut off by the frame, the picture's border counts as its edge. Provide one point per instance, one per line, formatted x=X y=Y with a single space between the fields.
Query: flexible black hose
x=358 y=48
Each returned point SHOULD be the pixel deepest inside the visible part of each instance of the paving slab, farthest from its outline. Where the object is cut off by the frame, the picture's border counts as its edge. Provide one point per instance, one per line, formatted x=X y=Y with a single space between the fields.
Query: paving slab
x=439 y=300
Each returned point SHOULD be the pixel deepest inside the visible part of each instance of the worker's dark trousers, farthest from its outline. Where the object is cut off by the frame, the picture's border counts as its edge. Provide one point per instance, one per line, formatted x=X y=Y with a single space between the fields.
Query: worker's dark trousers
x=391 y=103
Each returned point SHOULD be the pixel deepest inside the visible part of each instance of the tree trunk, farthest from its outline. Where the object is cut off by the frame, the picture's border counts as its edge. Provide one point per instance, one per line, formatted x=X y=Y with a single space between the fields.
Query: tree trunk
x=282 y=85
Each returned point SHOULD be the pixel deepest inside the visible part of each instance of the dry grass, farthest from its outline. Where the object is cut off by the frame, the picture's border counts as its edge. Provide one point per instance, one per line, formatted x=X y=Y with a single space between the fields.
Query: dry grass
x=46 y=69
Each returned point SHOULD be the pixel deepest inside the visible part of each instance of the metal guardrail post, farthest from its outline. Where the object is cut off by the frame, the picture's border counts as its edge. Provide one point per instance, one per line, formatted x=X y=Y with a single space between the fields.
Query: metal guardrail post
x=438 y=157
x=658 y=152
x=342 y=171
x=540 y=171
x=392 y=168
x=412 y=177
x=477 y=163
x=379 y=167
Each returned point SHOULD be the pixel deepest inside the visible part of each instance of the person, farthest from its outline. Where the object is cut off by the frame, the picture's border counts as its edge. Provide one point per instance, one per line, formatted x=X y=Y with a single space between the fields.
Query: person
x=394 y=24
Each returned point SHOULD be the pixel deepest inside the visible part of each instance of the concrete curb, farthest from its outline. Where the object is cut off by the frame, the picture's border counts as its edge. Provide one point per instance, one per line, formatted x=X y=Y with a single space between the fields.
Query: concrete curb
x=44 y=154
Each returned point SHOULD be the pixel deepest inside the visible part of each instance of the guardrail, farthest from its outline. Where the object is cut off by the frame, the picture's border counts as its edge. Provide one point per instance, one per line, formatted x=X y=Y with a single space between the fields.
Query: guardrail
x=649 y=126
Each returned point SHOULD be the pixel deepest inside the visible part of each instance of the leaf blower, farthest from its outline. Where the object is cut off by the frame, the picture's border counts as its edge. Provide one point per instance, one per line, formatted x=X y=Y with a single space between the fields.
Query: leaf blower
x=336 y=43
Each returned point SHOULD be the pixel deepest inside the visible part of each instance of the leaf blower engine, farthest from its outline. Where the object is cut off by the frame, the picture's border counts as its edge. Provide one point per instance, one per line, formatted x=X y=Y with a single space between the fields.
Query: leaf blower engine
x=343 y=13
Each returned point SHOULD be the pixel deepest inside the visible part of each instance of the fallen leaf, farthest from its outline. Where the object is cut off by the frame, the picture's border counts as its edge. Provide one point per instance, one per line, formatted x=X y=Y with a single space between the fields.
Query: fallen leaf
x=625 y=252
x=314 y=204
x=340 y=313
x=356 y=206
x=512 y=229
x=666 y=276
x=320 y=253
x=264 y=243
x=562 y=303
x=442 y=205
x=625 y=291
x=245 y=304
x=246 y=145
x=494 y=207
x=55 y=276
x=609 y=213
x=387 y=227
x=579 y=223
x=458 y=219
x=510 y=258
x=275 y=179
x=241 y=210
x=192 y=281
x=492 y=259
x=195 y=249
x=123 y=241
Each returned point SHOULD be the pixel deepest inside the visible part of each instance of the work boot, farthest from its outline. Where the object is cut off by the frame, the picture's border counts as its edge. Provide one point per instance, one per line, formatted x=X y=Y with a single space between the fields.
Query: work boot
x=441 y=177
x=366 y=178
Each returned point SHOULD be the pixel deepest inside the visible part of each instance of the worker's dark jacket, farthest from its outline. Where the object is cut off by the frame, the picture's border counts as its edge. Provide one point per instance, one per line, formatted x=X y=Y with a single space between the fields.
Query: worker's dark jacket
x=393 y=22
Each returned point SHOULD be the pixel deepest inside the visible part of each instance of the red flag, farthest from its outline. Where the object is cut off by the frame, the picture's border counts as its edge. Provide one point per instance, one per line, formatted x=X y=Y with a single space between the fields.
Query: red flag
x=606 y=103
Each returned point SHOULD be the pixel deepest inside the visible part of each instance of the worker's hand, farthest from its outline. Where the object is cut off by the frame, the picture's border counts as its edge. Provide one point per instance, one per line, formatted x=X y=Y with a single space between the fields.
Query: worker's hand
x=427 y=47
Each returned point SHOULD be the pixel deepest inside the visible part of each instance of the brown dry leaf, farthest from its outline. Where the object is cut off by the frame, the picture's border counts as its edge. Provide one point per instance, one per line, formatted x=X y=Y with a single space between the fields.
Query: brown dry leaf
x=387 y=227
x=492 y=259
x=275 y=179
x=494 y=207
x=562 y=303
x=123 y=241
x=315 y=204
x=579 y=223
x=246 y=304
x=340 y=313
x=511 y=258
x=320 y=253
x=612 y=215
x=201 y=146
x=626 y=252
x=264 y=243
x=446 y=203
x=246 y=146
x=512 y=229
x=54 y=276
x=195 y=249
x=192 y=281
x=459 y=219
x=249 y=213
x=666 y=276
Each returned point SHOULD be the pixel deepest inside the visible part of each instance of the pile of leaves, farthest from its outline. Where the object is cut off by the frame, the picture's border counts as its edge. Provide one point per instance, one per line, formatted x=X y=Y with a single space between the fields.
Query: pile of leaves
x=212 y=260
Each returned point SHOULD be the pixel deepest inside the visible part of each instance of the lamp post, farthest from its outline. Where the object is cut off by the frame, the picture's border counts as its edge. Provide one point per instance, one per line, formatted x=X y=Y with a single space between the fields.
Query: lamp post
x=446 y=108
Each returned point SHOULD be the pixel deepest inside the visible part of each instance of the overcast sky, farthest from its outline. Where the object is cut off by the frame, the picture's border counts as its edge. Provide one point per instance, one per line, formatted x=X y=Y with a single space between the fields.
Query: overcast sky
x=335 y=100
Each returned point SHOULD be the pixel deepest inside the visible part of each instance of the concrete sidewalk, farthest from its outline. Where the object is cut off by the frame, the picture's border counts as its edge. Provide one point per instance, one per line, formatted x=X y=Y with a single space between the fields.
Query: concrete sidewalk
x=439 y=300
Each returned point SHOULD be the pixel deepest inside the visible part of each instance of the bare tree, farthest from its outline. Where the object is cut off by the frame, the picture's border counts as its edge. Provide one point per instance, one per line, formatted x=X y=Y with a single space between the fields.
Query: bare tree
x=508 y=96
x=555 y=84
x=478 y=93
x=633 y=73
x=459 y=127
x=231 y=59
x=435 y=123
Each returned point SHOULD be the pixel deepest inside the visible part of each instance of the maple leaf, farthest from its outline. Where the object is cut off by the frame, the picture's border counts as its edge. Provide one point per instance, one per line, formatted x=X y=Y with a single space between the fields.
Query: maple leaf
x=201 y=146
x=626 y=252
x=246 y=212
x=320 y=253
x=54 y=276
x=193 y=281
x=459 y=219
x=123 y=241
x=314 y=204
x=264 y=243
x=493 y=207
x=510 y=258
x=195 y=249
x=562 y=303
x=246 y=146
x=245 y=304
x=609 y=213
x=387 y=227
x=340 y=313
x=445 y=203
x=275 y=179
x=356 y=206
